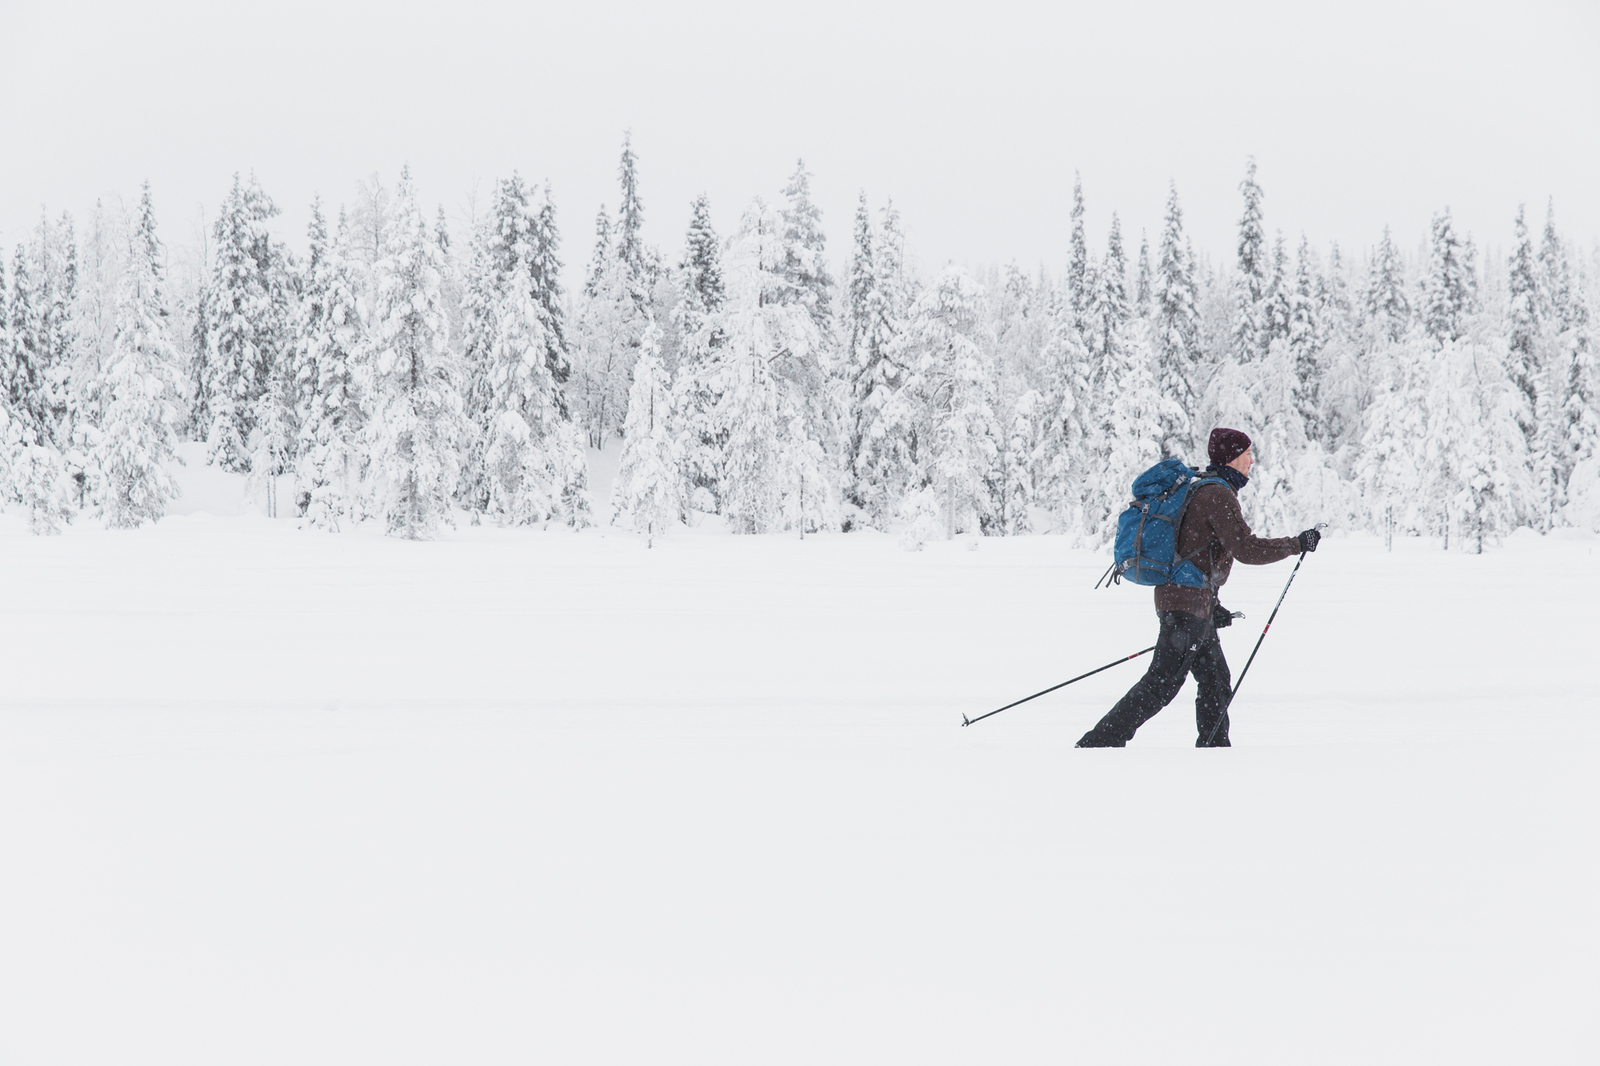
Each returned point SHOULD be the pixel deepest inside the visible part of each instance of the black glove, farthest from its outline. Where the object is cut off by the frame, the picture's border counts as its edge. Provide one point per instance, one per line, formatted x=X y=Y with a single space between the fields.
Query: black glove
x=1308 y=540
x=1221 y=617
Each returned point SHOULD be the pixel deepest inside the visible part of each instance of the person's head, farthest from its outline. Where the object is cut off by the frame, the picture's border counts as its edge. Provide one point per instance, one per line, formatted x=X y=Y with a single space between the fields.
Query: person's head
x=1229 y=447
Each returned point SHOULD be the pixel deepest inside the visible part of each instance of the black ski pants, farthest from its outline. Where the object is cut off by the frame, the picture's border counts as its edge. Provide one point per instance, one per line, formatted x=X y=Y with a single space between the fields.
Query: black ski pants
x=1187 y=645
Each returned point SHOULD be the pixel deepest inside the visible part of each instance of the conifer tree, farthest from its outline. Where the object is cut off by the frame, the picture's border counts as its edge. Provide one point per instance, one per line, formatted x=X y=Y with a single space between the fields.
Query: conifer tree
x=1066 y=418
x=23 y=367
x=648 y=478
x=1389 y=468
x=1344 y=388
x=1525 y=364
x=1079 y=291
x=545 y=273
x=247 y=310
x=601 y=257
x=1279 y=296
x=1250 y=330
x=630 y=247
x=699 y=436
x=417 y=419
x=332 y=418
x=1581 y=417
x=518 y=352
x=1177 y=332
x=143 y=390
x=1386 y=302
x=1142 y=289
x=1305 y=339
x=875 y=456
x=1446 y=287
x=1110 y=311
x=946 y=403
x=60 y=329
x=805 y=265
x=771 y=468
x=606 y=341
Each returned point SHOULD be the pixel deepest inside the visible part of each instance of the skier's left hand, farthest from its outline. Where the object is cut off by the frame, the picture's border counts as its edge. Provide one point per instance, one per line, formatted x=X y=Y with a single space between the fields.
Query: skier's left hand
x=1221 y=617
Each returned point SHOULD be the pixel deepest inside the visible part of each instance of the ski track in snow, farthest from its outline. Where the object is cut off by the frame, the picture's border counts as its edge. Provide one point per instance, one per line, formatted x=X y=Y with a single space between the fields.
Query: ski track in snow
x=274 y=796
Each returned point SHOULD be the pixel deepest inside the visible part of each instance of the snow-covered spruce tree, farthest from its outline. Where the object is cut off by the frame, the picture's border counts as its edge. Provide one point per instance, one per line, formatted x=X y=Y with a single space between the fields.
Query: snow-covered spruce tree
x=1389 y=468
x=1525 y=363
x=1480 y=450
x=143 y=408
x=1177 y=331
x=545 y=272
x=1446 y=287
x=519 y=469
x=945 y=405
x=1065 y=421
x=818 y=381
x=1447 y=299
x=36 y=368
x=274 y=445
x=58 y=252
x=805 y=264
x=1345 y=385
x=699 y=435
x=1279 y=294
x=22 y=372
x=1304 y=336
x=1080 y=292
x=875 y=458
x=630 y=248
x=773 y=476
x=608 y=328
x=30 y=466
x=417 y=420
x=1250 y=327
x=1109 y=312
x=247 y=312
x=330 y=349
x=1557 y=318
x=1142 y=289
x=1581 y=417
x=648 y=479
x=1012 y=477
x=1387 y=308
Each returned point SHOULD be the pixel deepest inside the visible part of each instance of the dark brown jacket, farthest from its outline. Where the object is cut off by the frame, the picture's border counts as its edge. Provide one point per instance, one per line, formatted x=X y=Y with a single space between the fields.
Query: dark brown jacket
x=1214 y=527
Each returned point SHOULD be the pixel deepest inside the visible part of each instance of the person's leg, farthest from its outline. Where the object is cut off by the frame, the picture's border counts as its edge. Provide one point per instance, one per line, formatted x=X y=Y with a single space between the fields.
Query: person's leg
x=1168 y=668
x=1215 y=690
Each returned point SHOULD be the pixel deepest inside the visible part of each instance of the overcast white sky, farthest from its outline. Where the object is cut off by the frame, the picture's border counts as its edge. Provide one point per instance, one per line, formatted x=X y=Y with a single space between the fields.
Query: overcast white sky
x=973 y=117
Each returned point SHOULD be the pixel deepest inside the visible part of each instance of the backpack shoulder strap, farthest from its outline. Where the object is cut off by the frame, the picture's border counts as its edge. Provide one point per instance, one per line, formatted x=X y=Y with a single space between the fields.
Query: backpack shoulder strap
x=1206 y=547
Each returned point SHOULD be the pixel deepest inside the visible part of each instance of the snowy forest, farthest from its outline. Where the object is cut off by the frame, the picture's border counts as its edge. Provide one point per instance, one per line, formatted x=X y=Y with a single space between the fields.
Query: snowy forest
x=404 y=371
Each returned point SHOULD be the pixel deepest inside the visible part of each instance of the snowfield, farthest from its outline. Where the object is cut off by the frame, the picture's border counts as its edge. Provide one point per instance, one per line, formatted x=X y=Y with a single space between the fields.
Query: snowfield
x=273 y=796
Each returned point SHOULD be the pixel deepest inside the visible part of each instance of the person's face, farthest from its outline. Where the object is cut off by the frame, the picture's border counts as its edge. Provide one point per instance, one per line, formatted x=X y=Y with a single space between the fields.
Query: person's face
x=1245 y=462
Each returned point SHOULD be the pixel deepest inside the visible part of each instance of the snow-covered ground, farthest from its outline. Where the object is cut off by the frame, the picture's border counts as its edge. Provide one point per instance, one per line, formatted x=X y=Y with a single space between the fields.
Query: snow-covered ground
x=272 y=796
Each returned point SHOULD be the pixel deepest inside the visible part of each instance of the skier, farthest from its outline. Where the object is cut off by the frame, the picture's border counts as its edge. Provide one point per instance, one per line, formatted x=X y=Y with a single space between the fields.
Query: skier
x=1213 y=535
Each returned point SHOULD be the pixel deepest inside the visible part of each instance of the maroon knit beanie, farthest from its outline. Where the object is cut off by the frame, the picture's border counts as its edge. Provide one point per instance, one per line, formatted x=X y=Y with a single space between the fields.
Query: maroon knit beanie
x=1226 y=445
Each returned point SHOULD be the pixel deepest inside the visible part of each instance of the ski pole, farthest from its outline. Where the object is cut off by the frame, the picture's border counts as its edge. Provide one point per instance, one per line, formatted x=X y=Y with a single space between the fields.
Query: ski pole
x=1223 y=717
x=965 y=721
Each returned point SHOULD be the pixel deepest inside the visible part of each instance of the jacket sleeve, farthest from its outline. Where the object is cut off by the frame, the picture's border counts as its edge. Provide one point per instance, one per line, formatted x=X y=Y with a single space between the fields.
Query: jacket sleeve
x=1229 y=528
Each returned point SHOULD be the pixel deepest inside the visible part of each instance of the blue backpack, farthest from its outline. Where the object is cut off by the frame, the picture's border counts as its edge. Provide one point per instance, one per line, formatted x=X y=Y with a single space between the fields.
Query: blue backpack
x=1146 y=551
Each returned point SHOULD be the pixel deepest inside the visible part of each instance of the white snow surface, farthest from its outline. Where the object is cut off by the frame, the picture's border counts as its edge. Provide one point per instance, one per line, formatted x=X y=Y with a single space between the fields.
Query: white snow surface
x=270 y=795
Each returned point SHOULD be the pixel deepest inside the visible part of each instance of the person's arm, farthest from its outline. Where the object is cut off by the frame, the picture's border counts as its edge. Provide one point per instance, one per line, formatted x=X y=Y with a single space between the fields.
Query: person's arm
x=1229 y=528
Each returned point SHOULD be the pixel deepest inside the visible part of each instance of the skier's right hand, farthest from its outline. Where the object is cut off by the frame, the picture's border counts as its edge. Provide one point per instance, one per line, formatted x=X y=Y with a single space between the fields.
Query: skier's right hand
x=1308 y=540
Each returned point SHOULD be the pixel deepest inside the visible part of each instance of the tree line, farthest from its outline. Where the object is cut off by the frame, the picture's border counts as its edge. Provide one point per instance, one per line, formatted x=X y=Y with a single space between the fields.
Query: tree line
x=389 y=374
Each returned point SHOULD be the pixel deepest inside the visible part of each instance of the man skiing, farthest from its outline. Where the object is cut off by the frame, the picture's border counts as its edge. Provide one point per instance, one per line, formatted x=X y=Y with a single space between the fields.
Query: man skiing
x=1213 y=534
